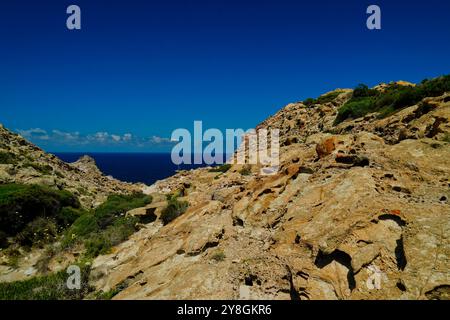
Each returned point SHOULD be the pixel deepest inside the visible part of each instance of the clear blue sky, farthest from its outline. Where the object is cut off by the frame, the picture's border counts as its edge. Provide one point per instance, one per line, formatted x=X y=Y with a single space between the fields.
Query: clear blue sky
x=140 y=69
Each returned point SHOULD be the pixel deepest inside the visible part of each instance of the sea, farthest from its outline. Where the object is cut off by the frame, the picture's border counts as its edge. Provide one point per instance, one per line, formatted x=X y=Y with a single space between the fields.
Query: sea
x=132 y=167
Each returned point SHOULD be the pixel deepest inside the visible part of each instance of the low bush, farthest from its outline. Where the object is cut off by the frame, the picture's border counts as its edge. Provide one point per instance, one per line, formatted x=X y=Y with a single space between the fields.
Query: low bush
x=329 y=97
x=7 y=158
x=3 y=239
x=363 y=91
x=218 y=256
x=22 y=204
x=116 y=205
x=309 y=102
x=174 y=209
x=119 y=231
x=108 y=295
x=357 y=107
x=246 y=170
x=106 y=226
x=395 y=97
x=38 y=232
x=446 y=138
x=49 y=287
x=222 y=168
x=68 y=215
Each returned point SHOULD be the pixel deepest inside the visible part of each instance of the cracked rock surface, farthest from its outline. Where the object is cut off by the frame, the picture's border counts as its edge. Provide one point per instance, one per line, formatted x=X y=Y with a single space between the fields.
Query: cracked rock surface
x=356 y=211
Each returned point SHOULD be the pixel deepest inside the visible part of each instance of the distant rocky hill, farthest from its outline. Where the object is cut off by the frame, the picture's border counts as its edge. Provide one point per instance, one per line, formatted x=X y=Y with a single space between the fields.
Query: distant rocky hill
x=358 y=210
x=23 y=162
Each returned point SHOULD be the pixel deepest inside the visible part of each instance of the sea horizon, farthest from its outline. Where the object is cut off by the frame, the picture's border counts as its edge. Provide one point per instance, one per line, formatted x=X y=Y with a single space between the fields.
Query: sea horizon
x=134 y=167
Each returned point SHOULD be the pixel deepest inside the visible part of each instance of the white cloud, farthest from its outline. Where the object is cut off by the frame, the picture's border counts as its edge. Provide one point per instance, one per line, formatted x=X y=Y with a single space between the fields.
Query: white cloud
x=101 y=137
x=34 y=133
x=66 y=135
x=159 y=140
x=116 y=137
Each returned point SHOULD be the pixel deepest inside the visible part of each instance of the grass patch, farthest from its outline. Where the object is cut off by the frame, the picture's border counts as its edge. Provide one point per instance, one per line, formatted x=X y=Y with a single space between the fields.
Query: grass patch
x=329 y=97
x=446 y=138
x=218 y=256
x=38 y=232
x=393 y=99
x=108 y=295
x=355 y=108
x=49 y=287
x=222 y=168
x=13 y=255
x=106 y=226
x=246 y=170
x=174 y=209
x=119 y=231
x=7 y=158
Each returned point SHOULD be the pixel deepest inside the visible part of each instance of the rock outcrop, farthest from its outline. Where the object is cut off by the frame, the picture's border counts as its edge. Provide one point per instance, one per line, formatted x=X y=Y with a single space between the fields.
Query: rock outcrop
x=356 y=211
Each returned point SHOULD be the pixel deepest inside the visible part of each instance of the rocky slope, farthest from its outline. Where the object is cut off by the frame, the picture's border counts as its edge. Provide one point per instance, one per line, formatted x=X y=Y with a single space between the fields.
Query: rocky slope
x=357 y=211
x=23 y=162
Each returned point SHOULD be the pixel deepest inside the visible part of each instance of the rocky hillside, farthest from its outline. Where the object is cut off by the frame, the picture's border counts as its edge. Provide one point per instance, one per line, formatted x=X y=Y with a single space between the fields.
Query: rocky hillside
x=358 y=210
x=23 y=162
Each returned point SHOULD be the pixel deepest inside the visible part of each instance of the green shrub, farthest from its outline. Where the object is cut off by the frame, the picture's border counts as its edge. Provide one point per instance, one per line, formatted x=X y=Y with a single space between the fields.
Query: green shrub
x=12 y=253
x=329 y=97
x=49 y=287
x=106 y=226
x=394 y=98
x=21 y=204
x=355 y=108
x=116 y=205
x=222 y=168
x=83 y=226
x=108 y=295
x=246 y=170
x=363 y=91
x=174 y=209
x=68 y=215
x=96 y=246
x=446 y=137
x=218 y=256
x=119 y=231
x=7 y=158
x=309 y=102
x=3 y=239
x=38 y=232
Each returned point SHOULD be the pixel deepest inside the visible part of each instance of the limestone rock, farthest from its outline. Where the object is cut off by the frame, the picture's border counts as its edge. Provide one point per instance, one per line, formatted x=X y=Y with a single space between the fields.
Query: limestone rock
x=356 y=211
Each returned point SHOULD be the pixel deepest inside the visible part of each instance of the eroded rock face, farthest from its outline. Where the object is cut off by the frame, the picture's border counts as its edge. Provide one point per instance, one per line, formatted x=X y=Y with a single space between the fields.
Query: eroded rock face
x=356 y=211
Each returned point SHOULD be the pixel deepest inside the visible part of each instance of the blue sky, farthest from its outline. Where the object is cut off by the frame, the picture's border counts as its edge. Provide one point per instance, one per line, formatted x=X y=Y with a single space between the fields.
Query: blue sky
x=137 y=70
